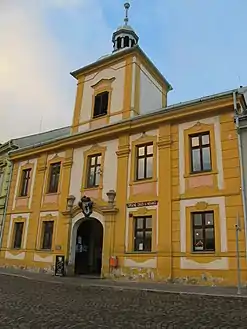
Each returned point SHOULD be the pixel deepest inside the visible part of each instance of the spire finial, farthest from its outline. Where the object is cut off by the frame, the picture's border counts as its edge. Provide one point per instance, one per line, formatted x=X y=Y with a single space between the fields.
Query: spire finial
x=127 y=7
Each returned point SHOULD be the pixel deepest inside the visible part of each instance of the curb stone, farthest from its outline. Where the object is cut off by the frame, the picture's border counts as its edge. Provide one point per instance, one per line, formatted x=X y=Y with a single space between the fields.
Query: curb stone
x=120 y=287
x=153 y=290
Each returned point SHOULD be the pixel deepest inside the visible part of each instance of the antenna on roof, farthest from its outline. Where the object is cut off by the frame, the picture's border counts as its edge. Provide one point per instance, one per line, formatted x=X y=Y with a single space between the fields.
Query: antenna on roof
x=40 y=124
x=239 y=80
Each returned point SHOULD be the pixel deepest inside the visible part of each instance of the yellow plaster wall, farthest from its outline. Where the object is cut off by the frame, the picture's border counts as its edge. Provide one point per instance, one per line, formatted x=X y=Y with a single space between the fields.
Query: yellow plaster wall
x=123 y=154
x=233 y=207
x=38 y=213
x=127 y=69
x=163 y=263
x=164 y=260
x=169 y=247
x=106 y=78
x=234 y=204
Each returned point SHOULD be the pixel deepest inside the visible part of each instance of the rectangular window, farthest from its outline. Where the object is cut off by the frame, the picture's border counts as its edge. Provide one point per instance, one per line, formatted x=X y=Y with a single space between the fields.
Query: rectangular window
x=101 y=104
x=54 y=177
x=18 y=231
x=143 y=234
x=25 y=180
x=203 y=231
x=47 y=235
x=144 y=161
x=200 y=153
x=94 y=170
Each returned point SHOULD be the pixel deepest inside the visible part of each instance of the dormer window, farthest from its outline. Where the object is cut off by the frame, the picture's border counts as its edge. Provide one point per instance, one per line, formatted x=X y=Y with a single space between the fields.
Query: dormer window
x=101 y=104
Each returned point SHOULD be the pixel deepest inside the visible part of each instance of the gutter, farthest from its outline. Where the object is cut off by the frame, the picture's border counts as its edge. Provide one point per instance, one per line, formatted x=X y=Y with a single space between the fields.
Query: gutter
x=6 y=146
x=2 y=224
x=241 y=168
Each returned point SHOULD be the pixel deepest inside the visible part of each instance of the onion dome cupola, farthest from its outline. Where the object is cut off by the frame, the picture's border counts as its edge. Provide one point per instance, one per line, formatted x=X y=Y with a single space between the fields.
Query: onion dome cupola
x=124 y=36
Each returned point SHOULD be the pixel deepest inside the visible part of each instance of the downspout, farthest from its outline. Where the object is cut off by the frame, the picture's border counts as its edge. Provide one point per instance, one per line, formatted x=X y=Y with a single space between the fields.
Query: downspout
x=241 y=169
x=5 y=207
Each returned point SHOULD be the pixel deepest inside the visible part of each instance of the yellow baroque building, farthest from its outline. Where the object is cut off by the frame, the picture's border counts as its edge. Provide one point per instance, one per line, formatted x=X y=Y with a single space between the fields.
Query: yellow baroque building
x=161 y=184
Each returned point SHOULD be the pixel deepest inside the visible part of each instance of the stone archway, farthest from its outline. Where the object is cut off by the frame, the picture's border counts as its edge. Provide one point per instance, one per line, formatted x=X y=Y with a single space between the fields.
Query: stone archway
x=105 y=215
x=77 y=221
x=89 y=244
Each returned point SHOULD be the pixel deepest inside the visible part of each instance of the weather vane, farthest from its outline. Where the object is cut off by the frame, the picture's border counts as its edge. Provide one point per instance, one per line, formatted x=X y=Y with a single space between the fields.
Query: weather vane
x=127 y=7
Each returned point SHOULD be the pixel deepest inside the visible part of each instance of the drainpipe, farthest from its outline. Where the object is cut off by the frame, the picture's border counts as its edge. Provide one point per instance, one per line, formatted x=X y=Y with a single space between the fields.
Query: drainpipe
x=241 y=169
x=5 y=207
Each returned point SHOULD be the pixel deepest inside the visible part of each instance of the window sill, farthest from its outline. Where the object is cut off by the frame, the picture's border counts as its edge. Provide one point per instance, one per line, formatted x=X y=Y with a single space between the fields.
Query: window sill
x=203 y=253
x=143 y=181
x=52 y=193
x=95 y=188
x=140 y=252
x=23 y=197
x=100 y=116
x=202 y=173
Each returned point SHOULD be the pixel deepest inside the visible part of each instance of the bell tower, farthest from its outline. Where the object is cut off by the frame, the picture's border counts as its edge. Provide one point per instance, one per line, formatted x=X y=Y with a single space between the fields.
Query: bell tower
x=124 y=36
x=118 y=86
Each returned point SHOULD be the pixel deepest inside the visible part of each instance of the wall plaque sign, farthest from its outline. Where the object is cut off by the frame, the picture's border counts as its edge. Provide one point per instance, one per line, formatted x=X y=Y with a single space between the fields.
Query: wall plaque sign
x=142 y=204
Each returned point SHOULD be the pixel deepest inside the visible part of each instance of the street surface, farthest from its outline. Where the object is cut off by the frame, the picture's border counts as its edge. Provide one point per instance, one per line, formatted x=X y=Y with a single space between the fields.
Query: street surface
x=26 y=303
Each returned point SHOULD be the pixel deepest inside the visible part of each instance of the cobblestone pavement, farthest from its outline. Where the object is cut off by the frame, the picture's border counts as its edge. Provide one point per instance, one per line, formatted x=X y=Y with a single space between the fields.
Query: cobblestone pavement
x=31 y=304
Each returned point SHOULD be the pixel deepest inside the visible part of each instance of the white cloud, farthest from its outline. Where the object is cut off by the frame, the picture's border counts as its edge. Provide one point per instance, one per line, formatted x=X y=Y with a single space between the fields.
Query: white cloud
x=34 y=69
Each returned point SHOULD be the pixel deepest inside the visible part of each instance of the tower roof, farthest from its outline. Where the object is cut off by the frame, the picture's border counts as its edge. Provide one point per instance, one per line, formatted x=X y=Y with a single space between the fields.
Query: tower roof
x=105 y=60
x=124 y=36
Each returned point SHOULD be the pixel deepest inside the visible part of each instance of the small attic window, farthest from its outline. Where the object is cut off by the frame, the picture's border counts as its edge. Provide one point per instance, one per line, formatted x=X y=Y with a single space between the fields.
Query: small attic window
x=126 y=41
x=101 y=104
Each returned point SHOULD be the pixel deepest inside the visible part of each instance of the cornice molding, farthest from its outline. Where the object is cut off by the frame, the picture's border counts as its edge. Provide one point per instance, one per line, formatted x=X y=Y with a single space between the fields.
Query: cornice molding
x=123 y=151
x=103 y=82
x=3 y=163
x=7 y=147
x=67 y=163
x=41 y=168
x=164 y=142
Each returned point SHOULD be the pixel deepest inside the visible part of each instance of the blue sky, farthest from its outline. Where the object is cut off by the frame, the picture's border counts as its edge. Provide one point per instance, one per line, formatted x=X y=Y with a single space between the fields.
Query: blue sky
x=198 y=45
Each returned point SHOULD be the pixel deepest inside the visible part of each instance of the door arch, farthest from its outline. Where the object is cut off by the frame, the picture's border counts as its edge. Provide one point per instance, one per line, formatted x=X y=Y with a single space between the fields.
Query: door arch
x=89 y=244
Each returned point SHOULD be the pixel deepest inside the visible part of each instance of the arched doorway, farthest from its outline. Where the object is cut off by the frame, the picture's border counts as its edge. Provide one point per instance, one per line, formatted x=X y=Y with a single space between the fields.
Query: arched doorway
x=89 y=243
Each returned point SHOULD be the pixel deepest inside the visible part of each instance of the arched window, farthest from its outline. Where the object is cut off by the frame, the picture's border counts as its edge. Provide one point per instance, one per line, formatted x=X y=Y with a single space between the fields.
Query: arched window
x=132 y=43
x=119 y=41
x=126 y=41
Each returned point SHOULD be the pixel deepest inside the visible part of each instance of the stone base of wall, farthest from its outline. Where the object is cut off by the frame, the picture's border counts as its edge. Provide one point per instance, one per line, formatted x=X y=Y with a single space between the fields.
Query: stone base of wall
x=46 y=270
x=152 y=275
x=142 y=275
x=133 y=274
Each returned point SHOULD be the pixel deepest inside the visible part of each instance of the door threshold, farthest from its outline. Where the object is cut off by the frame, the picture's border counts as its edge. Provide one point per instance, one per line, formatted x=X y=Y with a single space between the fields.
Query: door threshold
x=88 y=276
